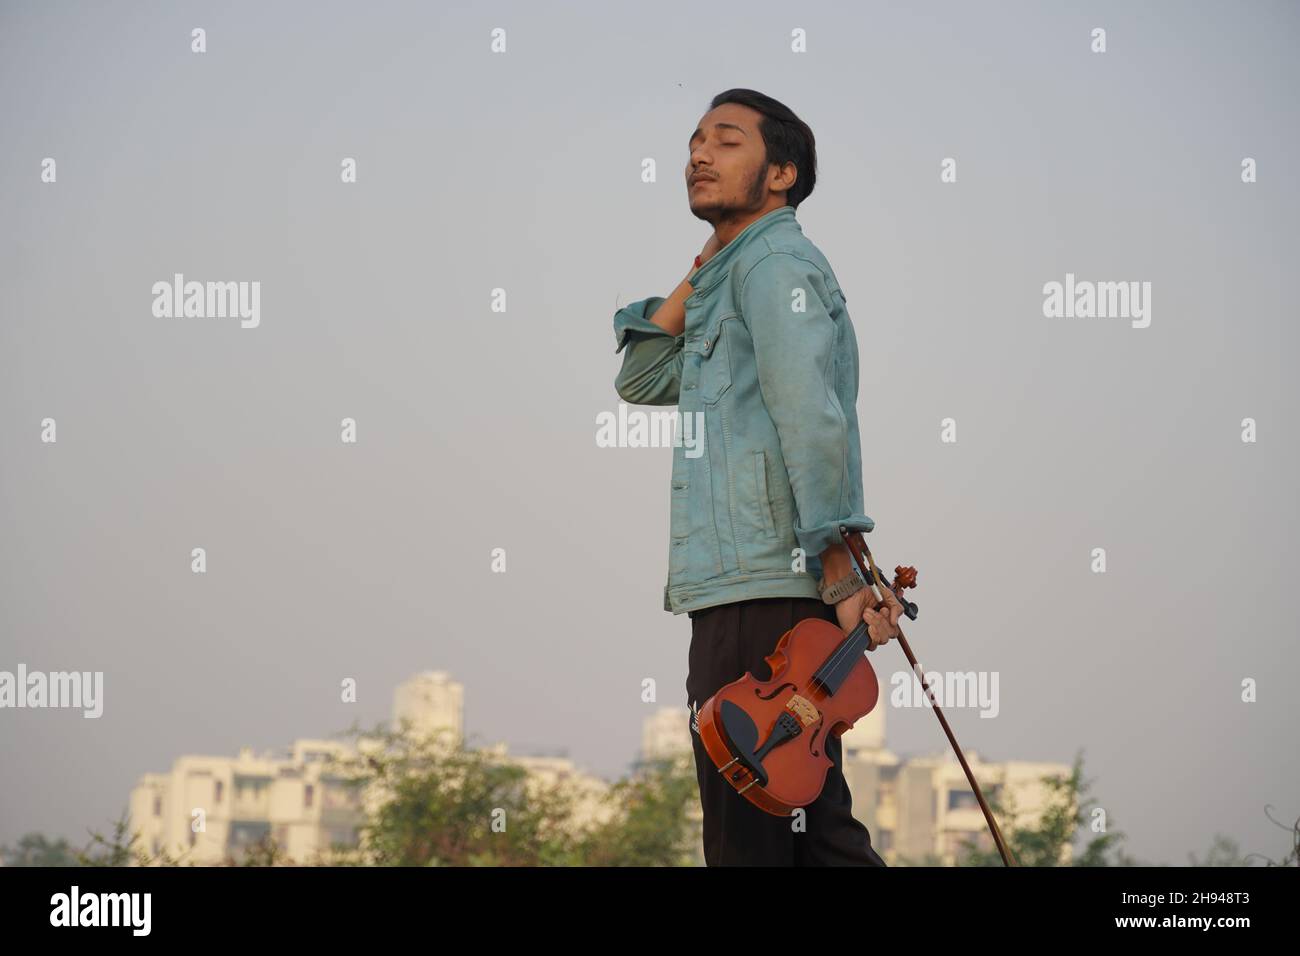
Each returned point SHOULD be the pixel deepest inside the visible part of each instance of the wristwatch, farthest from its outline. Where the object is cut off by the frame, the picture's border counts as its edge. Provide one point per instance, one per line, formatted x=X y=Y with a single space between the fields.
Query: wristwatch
x=844 y=587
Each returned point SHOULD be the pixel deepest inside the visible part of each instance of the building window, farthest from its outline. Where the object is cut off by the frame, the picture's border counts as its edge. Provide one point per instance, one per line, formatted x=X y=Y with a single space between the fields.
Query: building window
x=220 y=786
x=962 y=800
x=307 y=795
x=157 y=806
x=344 y=836
x=247 y=834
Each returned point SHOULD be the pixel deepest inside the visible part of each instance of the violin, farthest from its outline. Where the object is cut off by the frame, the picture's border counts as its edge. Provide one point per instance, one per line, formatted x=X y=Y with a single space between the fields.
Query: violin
x=768 y=737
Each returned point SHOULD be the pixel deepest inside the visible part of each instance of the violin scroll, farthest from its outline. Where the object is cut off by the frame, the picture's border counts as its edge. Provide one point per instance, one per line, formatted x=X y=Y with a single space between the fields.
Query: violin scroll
x=904 y=578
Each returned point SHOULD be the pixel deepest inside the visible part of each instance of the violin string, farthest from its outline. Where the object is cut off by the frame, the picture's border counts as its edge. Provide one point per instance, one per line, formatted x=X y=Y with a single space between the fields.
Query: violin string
x=833 y=661
x=844 y=648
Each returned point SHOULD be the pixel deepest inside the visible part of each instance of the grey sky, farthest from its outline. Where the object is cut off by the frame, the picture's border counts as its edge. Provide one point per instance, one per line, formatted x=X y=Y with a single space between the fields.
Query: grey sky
x=522 y=171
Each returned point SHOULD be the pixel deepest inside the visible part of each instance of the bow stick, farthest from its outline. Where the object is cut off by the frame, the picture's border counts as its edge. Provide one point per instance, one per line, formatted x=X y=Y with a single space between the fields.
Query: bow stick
x=907 y=578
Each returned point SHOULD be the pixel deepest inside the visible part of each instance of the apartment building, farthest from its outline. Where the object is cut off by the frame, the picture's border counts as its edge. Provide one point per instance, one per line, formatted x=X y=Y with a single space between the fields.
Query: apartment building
x=207 y=808
x=210 y=808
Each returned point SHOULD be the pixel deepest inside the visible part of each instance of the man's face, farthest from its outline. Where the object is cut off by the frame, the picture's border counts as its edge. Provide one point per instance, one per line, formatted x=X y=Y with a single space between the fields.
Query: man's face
x=727 y=153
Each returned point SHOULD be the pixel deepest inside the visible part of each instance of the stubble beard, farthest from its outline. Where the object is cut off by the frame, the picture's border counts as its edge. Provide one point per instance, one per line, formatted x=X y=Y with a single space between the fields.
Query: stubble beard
x=717 y=214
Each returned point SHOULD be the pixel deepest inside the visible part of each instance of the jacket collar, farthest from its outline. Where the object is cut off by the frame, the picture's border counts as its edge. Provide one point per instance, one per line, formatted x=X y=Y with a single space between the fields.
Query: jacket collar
x=716 y=267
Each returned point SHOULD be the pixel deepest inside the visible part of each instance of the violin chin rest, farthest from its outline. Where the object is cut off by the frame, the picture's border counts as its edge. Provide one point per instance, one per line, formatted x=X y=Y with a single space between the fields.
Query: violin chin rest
x=741 y=735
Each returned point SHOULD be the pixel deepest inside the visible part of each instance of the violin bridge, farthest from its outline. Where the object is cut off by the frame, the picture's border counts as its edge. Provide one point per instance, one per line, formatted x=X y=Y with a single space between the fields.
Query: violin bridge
x=803 y=708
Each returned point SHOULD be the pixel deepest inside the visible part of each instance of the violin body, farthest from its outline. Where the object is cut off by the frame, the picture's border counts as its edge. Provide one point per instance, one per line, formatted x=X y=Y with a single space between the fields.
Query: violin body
x=768 y=737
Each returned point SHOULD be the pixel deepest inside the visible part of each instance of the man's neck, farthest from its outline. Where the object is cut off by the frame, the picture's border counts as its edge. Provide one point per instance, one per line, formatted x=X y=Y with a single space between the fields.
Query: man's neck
x=730 y=228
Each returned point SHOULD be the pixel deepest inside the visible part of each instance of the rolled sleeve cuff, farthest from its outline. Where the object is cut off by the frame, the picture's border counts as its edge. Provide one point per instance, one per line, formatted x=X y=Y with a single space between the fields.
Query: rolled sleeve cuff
x=636 y=318
x=817 y=539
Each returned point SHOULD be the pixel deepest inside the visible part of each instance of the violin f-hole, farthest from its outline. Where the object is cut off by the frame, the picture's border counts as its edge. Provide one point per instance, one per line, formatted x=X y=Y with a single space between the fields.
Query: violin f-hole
x=758 y=691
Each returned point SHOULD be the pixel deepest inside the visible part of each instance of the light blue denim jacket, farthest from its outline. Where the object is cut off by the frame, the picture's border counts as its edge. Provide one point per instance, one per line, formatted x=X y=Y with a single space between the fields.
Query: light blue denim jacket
x=769 y=359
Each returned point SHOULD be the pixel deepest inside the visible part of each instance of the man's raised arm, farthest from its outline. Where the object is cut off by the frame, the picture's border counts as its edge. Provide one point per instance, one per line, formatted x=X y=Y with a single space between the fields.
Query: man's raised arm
x=652 y=330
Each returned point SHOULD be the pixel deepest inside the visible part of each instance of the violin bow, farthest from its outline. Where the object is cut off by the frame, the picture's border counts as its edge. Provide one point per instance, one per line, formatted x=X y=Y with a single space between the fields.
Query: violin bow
x=907 y=578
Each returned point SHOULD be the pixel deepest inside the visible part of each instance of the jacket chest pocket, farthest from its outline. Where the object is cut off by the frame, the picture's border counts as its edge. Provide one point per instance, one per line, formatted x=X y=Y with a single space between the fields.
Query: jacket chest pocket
x=714 y=358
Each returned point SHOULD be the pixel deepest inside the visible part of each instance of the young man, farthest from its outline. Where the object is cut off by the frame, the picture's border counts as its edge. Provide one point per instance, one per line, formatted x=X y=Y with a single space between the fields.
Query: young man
x=755 y=346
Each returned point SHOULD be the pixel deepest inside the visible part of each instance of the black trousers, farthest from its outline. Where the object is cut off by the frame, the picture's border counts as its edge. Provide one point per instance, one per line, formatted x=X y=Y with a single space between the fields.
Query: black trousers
x=726 y=641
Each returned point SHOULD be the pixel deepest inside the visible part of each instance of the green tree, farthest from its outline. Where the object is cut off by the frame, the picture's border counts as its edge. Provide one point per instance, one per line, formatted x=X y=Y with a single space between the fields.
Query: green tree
x=650 y=824
x=120 y=849
x=34 y=849
x=265 y=852
x=1292 y=856
x=1066 y=814
x=1223 y=852
x=433 y=803
x=436 y=804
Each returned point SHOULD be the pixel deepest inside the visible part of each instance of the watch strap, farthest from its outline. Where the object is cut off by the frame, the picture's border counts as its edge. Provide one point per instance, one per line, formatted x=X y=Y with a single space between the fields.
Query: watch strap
x=841 y=589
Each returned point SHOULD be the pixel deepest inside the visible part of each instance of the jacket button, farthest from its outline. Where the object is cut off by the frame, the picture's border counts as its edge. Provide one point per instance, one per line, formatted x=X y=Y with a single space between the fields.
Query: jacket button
x=706 y=343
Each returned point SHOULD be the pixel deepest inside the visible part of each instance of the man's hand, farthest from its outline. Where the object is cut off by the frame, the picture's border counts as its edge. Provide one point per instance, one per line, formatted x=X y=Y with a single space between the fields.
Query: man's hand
x=882 y=619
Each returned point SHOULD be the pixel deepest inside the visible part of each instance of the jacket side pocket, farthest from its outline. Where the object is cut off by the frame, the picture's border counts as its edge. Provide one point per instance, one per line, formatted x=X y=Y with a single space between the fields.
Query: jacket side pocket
x=760 y=484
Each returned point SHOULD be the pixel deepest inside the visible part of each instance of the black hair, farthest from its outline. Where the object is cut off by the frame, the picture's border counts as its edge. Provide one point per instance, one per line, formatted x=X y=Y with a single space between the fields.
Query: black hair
x=786 y=138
